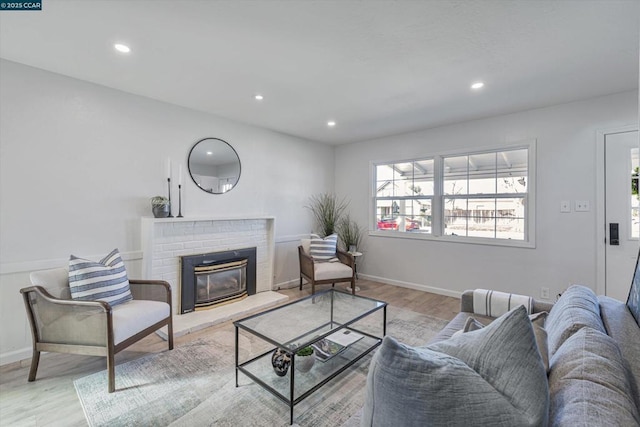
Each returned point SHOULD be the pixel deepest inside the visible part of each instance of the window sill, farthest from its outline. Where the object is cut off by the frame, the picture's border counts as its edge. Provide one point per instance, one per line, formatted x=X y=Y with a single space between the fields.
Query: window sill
x=454 y=239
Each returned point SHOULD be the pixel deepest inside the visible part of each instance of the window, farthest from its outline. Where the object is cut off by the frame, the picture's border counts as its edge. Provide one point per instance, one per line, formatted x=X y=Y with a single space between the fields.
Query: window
x=485 y=194
x=473 y=197
x=404 y=193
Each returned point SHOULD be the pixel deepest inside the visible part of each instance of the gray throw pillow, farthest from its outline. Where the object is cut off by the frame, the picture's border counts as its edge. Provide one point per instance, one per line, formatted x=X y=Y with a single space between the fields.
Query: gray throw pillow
x=590 y=384
x=577 y=307
x=537 y=320
x=492 y=376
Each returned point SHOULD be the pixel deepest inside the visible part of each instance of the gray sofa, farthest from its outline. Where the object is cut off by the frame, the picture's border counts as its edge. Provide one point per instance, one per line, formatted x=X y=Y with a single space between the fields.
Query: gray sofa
x=494 y=376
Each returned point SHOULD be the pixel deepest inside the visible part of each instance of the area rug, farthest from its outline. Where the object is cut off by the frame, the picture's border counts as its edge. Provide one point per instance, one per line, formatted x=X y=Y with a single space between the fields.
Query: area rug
x=194 y=385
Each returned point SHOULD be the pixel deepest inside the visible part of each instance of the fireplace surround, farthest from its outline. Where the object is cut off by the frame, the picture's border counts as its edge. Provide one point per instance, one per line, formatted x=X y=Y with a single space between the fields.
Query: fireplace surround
x=215 y=278
x=165 y=240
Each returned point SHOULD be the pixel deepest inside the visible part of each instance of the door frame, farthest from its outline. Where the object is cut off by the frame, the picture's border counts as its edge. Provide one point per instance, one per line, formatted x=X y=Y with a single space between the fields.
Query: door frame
x=601 y=226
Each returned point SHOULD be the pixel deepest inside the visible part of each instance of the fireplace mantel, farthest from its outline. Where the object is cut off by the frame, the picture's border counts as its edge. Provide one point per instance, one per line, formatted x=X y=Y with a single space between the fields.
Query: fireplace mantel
x=165 y=240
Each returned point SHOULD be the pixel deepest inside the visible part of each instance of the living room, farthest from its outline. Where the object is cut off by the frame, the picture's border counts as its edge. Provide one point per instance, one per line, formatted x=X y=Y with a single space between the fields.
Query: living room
x=96 y=129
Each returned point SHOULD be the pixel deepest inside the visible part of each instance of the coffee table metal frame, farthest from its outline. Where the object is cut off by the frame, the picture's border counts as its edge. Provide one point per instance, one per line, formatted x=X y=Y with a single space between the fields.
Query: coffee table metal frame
x=334 y=326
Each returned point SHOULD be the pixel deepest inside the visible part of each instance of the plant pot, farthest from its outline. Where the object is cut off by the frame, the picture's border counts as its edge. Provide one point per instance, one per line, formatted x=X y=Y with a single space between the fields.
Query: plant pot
x=161 y=211
x=305 y=363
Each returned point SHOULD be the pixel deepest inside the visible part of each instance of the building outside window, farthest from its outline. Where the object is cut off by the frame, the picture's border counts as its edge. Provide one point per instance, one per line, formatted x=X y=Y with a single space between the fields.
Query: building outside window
x=404 y=193
x=477 y=196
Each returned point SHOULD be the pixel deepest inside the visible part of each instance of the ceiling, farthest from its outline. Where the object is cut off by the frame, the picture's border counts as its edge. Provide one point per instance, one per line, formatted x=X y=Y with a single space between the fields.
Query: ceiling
x=375 y=67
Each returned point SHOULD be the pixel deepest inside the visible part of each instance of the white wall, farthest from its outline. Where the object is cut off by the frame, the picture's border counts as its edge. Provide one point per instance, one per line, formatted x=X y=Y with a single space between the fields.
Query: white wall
x=79 y=162
x=566 y=244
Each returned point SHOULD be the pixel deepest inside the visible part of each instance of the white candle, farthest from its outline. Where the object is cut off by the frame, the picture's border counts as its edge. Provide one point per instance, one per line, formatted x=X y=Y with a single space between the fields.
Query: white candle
x=180 y=175
x=169 y=167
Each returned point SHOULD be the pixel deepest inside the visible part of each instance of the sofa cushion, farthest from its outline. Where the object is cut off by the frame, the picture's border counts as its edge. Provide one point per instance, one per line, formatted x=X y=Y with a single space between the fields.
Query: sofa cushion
x=537 y=320
x=621 y=326
x=136 y=316
x=456 y=324
x=323 y=249
x=589 y=383
x=492 y=376
x=576 y=308
x=105 y=280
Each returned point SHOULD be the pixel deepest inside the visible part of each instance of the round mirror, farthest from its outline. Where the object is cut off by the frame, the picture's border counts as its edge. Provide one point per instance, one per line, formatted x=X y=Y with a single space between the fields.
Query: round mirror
x=214 y=165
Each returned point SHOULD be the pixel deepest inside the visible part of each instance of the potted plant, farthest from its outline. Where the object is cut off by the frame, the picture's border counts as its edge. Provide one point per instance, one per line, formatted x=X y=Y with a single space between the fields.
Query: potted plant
x=305 y=359
x=350 y=233
x=327 y=211
x=160 y=206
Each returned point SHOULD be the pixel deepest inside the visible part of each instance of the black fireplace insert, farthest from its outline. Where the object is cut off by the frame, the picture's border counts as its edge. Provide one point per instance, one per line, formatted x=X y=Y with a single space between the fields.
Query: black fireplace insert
x=216 y=278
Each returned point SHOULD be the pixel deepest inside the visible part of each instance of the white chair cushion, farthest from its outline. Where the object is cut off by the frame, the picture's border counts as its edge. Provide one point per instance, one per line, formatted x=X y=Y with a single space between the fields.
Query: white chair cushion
x=136 y=315
x=332 y=270
x=306 y=245
x=55 y=281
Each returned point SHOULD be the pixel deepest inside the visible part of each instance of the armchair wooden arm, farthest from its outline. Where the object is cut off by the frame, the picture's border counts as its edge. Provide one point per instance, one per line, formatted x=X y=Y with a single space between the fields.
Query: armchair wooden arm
x=346 y=258
x=306 y=264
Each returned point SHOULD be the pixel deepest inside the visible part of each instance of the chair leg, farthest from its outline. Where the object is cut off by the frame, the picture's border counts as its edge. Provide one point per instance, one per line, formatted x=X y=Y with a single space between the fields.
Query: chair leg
x=300 y=282
x=333 y=285
x=353 y=286
x=35 y=360
x=313 y=288
x=170 y=332
x=111 y=371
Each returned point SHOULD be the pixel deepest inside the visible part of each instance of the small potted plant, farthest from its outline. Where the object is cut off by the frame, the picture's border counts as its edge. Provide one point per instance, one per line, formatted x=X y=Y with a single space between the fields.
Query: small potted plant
x=160 y=206
x=305 y=359
x=350 y=233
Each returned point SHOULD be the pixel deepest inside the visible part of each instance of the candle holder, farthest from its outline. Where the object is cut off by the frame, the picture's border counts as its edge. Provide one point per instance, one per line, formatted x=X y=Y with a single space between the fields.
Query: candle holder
x=169 y=187
x=179 y=201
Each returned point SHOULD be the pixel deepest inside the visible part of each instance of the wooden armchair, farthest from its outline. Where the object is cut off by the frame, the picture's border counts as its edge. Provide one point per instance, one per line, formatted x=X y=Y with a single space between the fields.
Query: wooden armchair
x=95 y=328
x=322 y=273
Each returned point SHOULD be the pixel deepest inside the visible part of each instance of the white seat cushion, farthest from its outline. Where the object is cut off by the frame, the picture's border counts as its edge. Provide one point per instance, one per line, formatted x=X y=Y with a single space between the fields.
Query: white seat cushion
x=136 y=315
x=332 y=270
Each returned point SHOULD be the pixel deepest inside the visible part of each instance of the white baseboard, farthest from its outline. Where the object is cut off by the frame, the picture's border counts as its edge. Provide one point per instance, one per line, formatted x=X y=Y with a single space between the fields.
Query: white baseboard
x=15 y=356
x=289 y=284
x=416 y=286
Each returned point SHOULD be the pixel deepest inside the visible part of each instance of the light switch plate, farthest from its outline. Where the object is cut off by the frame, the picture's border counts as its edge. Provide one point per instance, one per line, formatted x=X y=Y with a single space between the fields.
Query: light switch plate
x=582 y=206
x=565 y=206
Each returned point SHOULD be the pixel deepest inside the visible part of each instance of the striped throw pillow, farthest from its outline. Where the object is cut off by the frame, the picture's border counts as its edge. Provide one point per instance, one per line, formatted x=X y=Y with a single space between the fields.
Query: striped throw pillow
x=323 y=249
x=105 y=280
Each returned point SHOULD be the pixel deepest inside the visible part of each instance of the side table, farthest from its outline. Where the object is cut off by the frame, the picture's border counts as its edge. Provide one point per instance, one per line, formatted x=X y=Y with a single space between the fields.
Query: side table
x=355 y=261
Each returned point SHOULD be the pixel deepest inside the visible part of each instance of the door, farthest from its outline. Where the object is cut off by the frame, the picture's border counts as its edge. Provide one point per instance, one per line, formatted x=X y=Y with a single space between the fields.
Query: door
x=622 y=208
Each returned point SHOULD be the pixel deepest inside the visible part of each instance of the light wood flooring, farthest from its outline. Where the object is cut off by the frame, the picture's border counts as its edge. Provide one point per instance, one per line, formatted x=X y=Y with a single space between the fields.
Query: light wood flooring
x=52 y=401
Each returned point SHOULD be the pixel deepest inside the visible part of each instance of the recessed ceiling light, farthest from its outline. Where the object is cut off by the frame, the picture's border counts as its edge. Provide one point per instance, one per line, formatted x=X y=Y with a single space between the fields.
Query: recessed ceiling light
x=477 y=85
x=122 y=48
x=331 y=123
x=209 y=153
x=259 y=97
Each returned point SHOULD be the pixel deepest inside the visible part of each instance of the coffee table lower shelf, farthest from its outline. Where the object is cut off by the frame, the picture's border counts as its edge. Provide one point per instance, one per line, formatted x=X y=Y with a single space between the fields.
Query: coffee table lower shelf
x=296 y=386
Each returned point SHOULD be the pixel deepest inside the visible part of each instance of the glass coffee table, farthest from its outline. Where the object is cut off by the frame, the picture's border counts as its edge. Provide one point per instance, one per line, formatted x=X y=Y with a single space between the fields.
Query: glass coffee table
x=299 y=324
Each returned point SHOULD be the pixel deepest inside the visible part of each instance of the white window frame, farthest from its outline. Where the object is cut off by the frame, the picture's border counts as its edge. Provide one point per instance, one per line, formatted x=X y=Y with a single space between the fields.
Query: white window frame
x=437 y=209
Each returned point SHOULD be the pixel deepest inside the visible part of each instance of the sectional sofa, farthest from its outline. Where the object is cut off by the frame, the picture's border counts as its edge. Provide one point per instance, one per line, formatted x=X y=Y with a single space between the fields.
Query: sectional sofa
x=496 y=374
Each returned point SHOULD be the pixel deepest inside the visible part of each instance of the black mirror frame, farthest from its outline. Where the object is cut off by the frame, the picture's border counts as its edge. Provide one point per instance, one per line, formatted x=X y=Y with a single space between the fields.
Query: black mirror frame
x=234 y=151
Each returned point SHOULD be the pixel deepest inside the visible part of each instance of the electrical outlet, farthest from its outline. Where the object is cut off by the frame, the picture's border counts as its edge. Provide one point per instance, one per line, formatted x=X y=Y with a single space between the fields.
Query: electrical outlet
x=544 y=293
x=565 y=206
x=582 y=206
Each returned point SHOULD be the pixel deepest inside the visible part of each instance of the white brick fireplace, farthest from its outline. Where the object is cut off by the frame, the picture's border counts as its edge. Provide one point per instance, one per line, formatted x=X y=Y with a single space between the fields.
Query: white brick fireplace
x=165 y=240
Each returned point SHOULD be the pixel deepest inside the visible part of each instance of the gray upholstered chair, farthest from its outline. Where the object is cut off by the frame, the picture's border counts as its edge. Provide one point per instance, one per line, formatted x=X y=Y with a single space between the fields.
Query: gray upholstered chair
x=322 y=273
x=95 y=328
